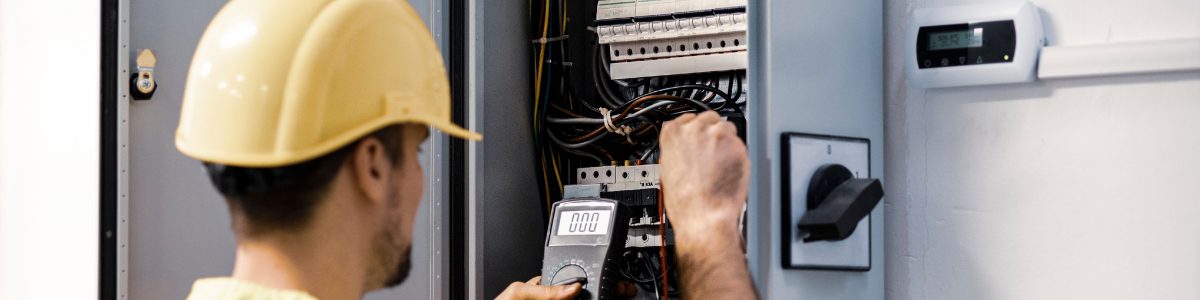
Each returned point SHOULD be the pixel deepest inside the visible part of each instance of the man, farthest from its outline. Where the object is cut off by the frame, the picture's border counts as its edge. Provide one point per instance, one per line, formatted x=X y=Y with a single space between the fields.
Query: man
x=308 y=116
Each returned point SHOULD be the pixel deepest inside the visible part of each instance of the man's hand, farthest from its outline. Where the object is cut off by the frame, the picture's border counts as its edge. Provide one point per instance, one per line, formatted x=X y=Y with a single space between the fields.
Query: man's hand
x=705 y=174
x=532 y=289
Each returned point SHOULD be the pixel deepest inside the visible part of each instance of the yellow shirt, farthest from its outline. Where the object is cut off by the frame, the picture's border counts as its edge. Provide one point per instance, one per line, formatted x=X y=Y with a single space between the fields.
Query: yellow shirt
x=225 y=288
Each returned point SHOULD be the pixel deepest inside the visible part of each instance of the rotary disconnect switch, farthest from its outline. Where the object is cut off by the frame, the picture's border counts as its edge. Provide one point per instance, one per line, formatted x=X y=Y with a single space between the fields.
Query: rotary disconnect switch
x=836 y=202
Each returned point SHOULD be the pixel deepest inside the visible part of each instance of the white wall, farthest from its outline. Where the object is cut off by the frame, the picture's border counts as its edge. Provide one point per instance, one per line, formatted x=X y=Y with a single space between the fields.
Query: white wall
x=1064 y=189
x=49 y=149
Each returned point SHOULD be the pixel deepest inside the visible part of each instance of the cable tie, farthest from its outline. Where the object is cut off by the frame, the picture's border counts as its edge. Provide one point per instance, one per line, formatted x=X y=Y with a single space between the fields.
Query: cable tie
x=623 y=130
x=548 y=40
x=564 y=63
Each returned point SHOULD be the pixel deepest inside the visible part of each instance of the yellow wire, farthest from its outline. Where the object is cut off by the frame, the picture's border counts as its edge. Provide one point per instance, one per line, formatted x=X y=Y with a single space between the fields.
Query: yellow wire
x=537 y=93
x=557 y=177
x=537 y=96
x=562 y=31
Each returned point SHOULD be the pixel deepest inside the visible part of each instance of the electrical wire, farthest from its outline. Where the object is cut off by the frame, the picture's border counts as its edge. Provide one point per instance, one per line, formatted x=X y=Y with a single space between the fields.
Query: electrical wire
x=662 y=230
x=584 y=120
x=536 y=101
x=576 y=145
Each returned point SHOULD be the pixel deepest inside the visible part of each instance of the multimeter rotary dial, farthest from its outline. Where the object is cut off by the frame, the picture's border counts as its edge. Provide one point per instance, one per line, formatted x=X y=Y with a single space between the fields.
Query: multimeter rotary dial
x=569 y=272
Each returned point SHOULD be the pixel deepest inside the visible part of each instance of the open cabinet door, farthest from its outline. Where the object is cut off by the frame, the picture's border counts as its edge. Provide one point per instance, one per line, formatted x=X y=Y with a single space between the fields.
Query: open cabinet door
x=55 y=123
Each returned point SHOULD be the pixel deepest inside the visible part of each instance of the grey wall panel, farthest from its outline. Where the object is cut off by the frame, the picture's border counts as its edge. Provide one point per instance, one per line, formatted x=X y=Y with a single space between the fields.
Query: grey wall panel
x=817 y=67
x=508 y=207
x=179 y=226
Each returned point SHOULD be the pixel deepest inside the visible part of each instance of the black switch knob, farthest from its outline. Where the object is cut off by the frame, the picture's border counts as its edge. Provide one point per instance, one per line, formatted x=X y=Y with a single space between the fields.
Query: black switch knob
x=837 y=202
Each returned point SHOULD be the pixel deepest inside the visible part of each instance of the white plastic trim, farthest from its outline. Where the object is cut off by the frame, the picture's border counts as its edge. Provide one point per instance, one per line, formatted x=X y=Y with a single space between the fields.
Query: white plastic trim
x=1119 y=59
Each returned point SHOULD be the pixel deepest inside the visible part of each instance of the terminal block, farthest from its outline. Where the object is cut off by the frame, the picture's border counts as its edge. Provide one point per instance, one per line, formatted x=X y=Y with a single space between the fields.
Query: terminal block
x=668 y=37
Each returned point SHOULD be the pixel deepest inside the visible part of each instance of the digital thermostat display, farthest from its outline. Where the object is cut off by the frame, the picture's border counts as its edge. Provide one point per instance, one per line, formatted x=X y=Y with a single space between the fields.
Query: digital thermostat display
x=965 y=44
x=973 y=44
x=584 y=222
x=956 y=39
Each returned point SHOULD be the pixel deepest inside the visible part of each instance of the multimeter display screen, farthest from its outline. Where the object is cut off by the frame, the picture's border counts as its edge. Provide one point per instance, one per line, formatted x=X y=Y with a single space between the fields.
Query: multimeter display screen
x=584 y=222
x=956 y=39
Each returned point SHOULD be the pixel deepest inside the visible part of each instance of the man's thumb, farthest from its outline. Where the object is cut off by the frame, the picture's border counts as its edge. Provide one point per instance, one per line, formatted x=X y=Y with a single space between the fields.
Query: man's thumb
x=566 y=291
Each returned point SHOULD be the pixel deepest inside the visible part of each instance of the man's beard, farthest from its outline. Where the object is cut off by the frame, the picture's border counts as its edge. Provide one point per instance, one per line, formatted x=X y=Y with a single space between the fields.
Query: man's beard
x=401 y=269
x=394 y=263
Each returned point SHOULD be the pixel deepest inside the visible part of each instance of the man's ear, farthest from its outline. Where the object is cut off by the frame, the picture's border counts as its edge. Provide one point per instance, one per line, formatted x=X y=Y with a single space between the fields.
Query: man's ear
x=371 y=169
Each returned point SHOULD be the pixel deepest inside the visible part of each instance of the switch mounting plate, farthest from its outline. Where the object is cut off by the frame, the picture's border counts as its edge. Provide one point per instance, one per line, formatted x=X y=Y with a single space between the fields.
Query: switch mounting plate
x=802 y=154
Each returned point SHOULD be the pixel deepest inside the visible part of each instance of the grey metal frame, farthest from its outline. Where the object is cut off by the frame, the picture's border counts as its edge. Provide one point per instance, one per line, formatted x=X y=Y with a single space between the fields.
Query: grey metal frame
x=814 y=70
x=504 y=216
x=122 y=173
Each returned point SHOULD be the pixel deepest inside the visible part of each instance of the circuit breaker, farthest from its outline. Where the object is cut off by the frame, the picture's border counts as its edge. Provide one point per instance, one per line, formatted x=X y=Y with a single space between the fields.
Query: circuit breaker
x=668 y=37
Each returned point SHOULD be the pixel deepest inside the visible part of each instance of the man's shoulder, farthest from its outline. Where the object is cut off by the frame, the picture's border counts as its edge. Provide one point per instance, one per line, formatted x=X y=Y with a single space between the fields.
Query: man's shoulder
x=225 y=288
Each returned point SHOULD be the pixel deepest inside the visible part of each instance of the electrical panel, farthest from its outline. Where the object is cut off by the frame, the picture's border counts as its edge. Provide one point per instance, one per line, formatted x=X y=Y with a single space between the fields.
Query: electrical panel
x=607 y=76
x=666 y=37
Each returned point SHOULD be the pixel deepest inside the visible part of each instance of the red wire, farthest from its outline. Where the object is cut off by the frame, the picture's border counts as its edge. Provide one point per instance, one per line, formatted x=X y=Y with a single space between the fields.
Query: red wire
x=662 y=230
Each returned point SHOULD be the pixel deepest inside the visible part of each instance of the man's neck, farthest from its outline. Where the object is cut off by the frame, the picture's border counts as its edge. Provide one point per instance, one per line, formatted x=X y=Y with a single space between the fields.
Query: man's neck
x=325 y=268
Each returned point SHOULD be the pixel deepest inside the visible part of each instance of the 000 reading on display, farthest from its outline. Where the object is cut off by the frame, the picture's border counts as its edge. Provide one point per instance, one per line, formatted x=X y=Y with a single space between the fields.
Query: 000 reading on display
x=583 y=222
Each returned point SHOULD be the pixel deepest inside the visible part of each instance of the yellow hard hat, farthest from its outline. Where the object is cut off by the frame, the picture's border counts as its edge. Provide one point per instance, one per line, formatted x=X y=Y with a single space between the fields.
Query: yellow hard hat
x=278 y=82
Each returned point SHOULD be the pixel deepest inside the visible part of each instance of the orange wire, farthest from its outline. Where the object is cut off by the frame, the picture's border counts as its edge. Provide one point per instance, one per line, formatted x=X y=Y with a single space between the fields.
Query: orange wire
x=662 y=230
x=537 y=95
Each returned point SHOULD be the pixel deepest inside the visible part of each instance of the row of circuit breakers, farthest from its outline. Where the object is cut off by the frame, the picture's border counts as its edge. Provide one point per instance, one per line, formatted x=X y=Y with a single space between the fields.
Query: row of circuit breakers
x=667 y=37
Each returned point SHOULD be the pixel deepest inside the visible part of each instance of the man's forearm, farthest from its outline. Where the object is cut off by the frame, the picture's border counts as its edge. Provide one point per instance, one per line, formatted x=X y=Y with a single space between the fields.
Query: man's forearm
x=714 y=267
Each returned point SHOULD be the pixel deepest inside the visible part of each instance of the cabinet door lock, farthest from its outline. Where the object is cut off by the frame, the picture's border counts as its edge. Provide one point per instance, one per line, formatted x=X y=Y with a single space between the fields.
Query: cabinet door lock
x=142 y=84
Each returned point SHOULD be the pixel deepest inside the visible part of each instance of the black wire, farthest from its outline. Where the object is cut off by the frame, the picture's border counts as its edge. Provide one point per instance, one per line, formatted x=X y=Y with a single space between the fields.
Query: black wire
x=693 y=102
x=661 y=91
x=601 y=84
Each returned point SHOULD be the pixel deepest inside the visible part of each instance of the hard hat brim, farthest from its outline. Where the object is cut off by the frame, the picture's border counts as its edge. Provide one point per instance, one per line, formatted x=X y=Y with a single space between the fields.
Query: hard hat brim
x=455 y=131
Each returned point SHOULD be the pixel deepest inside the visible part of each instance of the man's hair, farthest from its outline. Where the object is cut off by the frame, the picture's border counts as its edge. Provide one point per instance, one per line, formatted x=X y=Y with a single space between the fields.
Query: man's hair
x=283 y=198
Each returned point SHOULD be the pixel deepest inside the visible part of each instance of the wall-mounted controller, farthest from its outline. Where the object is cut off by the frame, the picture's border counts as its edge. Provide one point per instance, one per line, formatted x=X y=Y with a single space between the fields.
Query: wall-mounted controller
x=827 y=200
x=580 y=246
x=974 y=44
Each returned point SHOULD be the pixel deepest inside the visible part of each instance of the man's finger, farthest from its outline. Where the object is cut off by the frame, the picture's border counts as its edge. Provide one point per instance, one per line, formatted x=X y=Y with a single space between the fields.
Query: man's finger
x=538 y=292
x=535 y=280
x=683 y=118
x=672 y=125
x=707 y=118
x=723 y=128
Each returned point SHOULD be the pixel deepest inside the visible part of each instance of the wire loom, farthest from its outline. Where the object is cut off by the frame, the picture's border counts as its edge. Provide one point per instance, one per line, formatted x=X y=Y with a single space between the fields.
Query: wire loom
x=609 y=122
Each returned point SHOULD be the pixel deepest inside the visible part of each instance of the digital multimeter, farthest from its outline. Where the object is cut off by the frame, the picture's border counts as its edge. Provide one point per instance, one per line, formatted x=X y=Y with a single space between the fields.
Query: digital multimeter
x=584 y=238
